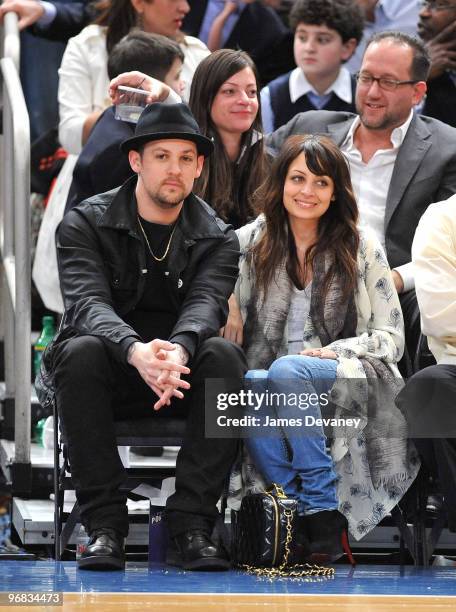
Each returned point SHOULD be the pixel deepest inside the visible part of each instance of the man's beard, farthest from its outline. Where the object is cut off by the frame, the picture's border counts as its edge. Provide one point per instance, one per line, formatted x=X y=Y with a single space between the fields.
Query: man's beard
x=387 y=121
x=167 y=201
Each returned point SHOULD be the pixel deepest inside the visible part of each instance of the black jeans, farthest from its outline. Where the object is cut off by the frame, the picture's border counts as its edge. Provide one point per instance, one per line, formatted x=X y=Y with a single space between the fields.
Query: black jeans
x=412 y=327
x=93 y=390
x=428 y=402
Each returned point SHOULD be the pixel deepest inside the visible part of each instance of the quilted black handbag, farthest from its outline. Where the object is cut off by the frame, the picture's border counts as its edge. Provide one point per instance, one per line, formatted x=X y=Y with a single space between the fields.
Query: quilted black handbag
x=262 y=533
x=261 y=529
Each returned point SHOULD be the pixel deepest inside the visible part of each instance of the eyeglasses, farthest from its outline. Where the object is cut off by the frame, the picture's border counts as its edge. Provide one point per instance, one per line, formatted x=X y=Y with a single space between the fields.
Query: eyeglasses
x=436 y=6
x=366 y=80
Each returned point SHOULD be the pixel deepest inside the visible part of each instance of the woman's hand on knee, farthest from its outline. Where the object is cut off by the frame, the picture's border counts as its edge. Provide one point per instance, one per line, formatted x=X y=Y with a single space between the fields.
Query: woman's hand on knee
x=234 y=327
x=321 y=353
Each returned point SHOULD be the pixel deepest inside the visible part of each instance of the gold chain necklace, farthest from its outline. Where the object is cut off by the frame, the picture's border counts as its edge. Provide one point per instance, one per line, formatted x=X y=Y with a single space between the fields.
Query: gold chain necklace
x=148 y=245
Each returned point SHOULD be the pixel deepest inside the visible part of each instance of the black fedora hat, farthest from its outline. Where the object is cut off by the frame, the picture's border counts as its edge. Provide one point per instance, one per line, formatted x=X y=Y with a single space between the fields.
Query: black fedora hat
x=160 y=121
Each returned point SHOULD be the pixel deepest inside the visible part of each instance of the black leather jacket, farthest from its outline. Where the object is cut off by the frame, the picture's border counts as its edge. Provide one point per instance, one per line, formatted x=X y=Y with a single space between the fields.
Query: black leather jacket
x=101 y=258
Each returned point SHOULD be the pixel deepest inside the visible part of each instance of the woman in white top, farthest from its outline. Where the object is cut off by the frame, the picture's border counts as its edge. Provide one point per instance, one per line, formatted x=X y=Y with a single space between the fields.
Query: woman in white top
x=83 y=77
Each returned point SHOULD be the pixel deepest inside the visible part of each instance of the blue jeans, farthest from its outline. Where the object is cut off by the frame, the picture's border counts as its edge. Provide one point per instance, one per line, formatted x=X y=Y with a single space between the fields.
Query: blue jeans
x=299 y=463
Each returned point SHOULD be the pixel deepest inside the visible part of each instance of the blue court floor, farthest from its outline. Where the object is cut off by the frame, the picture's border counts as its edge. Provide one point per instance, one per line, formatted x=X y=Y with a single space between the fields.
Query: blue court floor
x=46 y=576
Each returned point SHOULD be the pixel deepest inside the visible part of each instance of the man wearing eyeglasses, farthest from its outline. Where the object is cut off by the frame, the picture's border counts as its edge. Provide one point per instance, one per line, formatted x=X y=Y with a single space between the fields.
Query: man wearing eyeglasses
x=400 y=162
x=437 y=27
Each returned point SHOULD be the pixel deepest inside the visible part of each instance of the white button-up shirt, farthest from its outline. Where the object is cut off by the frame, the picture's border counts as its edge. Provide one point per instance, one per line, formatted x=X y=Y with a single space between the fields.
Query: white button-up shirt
x=371 y=182
x=300 y=86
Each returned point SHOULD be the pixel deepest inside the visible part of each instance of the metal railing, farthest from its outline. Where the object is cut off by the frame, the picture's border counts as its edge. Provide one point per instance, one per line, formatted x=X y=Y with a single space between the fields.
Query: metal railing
x=11 y=39
x=15 y=246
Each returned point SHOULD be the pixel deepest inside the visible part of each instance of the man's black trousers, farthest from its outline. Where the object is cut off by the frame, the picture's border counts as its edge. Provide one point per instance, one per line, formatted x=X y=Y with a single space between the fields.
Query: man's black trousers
x=93 y=390
x=429 y=405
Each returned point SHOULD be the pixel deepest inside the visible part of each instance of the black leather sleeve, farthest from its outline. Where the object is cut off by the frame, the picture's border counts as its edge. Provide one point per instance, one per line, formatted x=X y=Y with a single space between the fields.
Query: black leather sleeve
x=84 y=280
x=205 y=307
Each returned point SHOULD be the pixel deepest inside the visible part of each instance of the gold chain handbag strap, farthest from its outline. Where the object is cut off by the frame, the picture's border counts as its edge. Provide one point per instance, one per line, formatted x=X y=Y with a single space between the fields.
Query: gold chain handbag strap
x=306 y=570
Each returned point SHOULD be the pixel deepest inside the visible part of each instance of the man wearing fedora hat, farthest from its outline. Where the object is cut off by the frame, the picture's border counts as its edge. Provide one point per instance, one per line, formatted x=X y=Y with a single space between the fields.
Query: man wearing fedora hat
x=146 y=271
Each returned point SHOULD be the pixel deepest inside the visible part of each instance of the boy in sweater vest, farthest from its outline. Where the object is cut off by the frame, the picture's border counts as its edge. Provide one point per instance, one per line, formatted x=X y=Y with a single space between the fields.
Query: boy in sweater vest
x=326 y=35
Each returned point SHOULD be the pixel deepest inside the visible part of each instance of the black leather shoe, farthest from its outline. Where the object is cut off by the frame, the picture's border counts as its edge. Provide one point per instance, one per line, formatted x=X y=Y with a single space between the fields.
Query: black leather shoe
x=105 y=551
x=194 y=550
x=325 y=530
x=300 y=549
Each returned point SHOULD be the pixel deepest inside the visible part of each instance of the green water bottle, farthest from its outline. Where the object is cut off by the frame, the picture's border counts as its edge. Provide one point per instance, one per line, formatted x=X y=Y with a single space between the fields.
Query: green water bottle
x=38 y=432
x=47 y=333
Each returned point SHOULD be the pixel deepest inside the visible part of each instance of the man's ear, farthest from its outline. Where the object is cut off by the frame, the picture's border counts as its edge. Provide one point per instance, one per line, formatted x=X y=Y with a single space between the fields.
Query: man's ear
x=135 y=160
x=419 y=92
x=349 y=48
x=199 y=165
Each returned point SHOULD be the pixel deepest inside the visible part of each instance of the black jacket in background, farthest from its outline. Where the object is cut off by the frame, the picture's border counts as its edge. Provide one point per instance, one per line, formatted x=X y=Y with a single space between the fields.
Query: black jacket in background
x=101 y=166
x=259 y=31
x=440 y=100
x=69 y=20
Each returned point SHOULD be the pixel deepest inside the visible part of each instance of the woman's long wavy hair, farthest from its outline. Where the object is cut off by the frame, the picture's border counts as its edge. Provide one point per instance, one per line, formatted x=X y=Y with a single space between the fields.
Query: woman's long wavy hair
x=221 y=179
x=337 y=234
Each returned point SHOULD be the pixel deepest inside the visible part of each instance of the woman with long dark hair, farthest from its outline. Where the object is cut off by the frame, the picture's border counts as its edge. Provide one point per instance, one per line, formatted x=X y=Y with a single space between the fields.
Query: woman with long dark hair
x=320 y=309
x=224 y=101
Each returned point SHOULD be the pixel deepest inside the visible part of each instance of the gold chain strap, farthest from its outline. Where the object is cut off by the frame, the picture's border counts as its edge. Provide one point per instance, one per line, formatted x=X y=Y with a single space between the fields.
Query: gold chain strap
x=305 y=570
